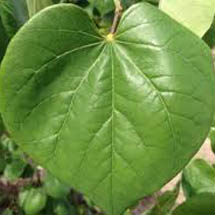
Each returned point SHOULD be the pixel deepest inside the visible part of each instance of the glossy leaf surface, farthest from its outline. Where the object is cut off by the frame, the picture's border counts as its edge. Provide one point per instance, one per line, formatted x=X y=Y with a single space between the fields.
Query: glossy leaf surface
x=196 y=15
x=115 y=118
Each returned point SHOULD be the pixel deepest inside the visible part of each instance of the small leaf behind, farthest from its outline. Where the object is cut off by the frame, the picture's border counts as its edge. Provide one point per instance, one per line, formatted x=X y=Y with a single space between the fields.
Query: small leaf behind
x=202 y=204
x=198 y=177
x=197 y=15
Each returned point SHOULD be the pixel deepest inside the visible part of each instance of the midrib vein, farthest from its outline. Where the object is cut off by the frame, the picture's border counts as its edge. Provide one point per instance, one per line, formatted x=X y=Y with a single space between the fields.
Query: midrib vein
x=112 y=124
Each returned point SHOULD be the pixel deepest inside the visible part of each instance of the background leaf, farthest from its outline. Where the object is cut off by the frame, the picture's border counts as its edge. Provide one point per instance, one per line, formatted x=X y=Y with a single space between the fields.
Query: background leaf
x=63 y=207
x=201 y=204
x=14 y=169
x=209 y=37
x=104 y=6
x=54 y=187
x=198 y=177
x=8 y=18
x=34 y=6
x=212 y=136
x=165 y=202
x=155 y=2
x=13 y=15
x=3 y=41
x=32 y=200
x=196 y=15
x=20 y=11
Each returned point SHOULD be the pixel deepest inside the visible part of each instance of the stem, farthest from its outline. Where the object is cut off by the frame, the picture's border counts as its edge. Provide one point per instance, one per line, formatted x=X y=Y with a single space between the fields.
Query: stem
x=117 y=4
x=117 y=15
x=213 y=54
x=157 y=203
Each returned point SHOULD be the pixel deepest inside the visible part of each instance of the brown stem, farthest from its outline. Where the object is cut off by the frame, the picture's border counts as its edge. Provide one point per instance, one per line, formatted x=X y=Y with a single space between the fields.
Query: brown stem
x=13 y=187
x=117 y=15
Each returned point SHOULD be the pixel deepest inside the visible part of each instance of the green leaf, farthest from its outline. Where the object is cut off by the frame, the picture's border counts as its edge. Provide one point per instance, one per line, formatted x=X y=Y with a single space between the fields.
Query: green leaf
x=13 y=15
x=165 y=202
x=32 y=200
x=114 y=117
x=4 y=40
x=104 y=6
x=20 y=11
x=209 y=37
x=202 y=204
x=8 y=212
x=196 y=15
x=7 y=16
x=34 y=6
x=155 y=2
x=54 y=187
x=14 y=169
x=2 y=127
x=212 y=135
x=8 y=144
x=63 y=207
x=2 y=163
x=198 y=177
x=56 y=1
x=128 y=3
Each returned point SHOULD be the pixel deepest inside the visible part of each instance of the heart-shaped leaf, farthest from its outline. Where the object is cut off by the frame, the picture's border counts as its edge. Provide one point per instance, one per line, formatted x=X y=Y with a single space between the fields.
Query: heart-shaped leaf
x=115 y=117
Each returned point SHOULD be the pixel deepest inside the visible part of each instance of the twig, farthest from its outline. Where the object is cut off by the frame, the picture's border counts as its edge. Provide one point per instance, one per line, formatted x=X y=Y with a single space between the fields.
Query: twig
x=117 y=15
x=14 y=187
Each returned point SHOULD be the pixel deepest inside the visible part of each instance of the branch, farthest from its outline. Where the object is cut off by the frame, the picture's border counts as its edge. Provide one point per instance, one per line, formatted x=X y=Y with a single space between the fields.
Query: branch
x=117 y=15
x=9 y=187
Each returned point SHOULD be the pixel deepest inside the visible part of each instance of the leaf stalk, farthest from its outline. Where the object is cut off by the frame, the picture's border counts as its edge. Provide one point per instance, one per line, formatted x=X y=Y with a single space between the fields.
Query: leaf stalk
x=117 y=15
